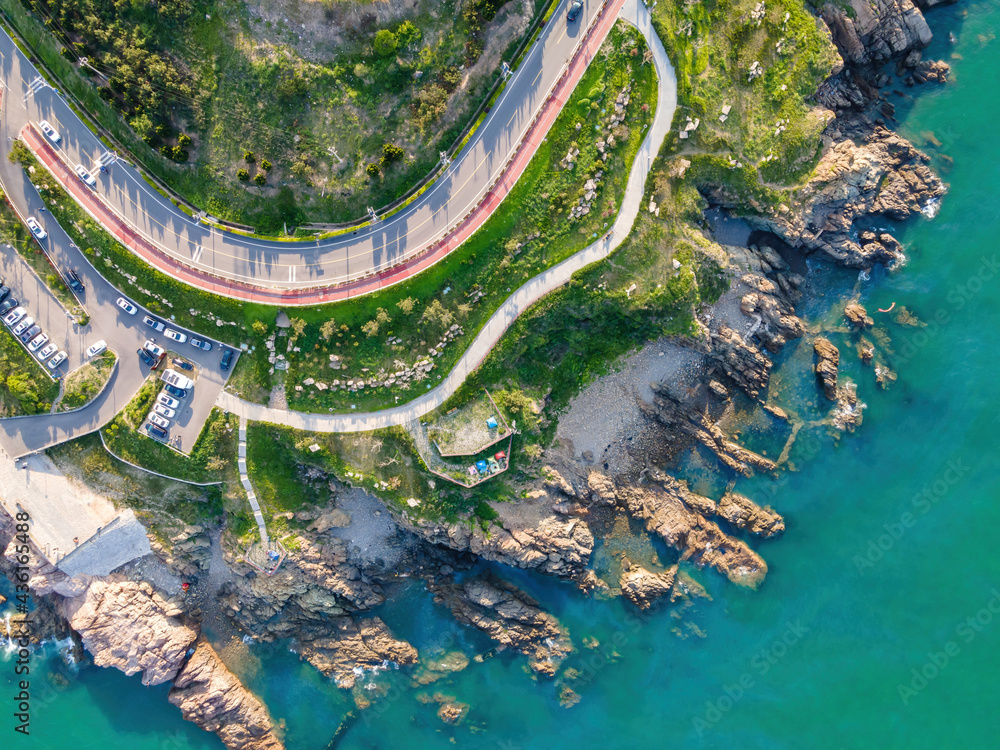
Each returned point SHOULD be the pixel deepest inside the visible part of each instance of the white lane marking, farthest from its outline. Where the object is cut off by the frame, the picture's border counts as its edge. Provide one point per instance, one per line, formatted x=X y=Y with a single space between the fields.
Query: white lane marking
x=196 y=255
x=291 y=274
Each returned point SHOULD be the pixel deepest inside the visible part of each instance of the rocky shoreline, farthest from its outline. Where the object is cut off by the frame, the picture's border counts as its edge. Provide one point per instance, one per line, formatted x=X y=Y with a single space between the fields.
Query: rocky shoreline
x=322 y=598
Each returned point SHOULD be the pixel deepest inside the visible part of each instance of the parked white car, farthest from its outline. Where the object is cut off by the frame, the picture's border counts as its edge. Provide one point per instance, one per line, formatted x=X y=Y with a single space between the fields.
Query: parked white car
x=14 y=315
x=127 y=306
x=98 y=347
x=36 y=228
x=47 y=351
x=159 y=421
x=172 y=403
x=24 y=325
x=36 y=343
x=50 y=132
x=177 y=380
x=85 y=175
x=57 y=360
x=177 y=336
x=164 y=411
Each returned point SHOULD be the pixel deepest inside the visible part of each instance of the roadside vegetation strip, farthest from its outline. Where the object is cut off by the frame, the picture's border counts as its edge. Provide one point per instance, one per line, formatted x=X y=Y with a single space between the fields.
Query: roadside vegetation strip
x=420 y=79
x=150 y=471
x=87 y=381
x=26 y=387
x=13 y=232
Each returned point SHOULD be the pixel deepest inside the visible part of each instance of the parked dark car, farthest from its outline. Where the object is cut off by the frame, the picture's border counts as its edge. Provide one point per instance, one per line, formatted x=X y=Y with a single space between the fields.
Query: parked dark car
x=4 y=291
x=174 y=391
x=574 y=10
x=201 y=344
x=30 y=333
x=146 y=357
x=227 y=359
x=7 y=305
x=156 y=431
x=182 y=364
x=74 y=281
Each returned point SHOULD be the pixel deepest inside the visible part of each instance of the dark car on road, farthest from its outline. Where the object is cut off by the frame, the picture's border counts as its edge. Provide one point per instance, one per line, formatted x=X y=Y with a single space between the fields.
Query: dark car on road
x=227 y=359
x=30 y=333
x=4 y=291
x=7 y=305
x=156 y=431
x=206 y=345
x=174 y=391
x=574 y=10
x=74 y=281
x=146 y=357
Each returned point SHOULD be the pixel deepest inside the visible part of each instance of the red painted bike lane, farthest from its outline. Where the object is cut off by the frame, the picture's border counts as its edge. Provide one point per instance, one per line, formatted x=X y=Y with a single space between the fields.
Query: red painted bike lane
x=166 y=263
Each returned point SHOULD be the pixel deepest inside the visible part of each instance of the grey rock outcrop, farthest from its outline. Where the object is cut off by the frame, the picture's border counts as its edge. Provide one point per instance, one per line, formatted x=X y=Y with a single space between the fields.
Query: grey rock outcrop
x=211 y=696
x=510 y=617
x=827 y=366
x=876 y=31
x=353 y=644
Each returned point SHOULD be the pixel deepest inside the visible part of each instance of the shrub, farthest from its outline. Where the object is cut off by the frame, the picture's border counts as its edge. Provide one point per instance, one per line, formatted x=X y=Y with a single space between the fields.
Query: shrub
x=382 y=316
x=249 y=157
x=385 y=43
x=408 y=34
x=265 y=165
x=370 y=328
x=392 y=152
x=243 y=175
x=372 y=170
x=327 y=330
x=179 y=153
x=260 y=178
x=184 y=140
x=259 y=327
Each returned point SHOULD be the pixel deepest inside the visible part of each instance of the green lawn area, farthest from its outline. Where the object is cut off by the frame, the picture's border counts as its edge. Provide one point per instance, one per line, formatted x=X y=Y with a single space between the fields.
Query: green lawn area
x=85 y=382
x=202 y=82
x=212 y=459
x=25 y=388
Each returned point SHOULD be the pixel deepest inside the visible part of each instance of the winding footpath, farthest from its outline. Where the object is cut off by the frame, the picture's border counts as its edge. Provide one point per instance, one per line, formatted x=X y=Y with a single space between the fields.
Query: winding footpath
x=636 y=13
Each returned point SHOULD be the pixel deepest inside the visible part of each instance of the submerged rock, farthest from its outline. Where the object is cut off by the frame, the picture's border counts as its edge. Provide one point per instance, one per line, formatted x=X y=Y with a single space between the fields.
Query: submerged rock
x=211 y=696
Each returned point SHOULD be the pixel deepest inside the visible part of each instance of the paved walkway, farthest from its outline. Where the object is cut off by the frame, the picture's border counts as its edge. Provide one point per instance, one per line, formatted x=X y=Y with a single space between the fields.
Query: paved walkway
x=635 y=12
x=251 y=495
x=71 y=525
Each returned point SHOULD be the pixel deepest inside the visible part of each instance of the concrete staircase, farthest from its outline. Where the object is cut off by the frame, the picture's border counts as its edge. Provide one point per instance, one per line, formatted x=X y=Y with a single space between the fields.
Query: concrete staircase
x=251 y=495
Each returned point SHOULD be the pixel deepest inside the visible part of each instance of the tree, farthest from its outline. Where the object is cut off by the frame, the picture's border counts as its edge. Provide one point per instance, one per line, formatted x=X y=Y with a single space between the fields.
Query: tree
x=184 y=140
x=144 y=127
x=438 y=314
x=382 y=316
x=328 y=328
x=243 y=175
x=370 y=328
x=259 y=327
x=372 y=170
x=406 y=305
x=216 y=463
x=298 y=325
x=385 y=43
x=260 y=178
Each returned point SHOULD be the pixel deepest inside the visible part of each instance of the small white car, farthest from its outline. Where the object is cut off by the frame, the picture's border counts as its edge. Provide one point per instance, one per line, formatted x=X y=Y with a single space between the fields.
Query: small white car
x=24 y=325
x=164 y=411
x=98 y=347
x=85 y=175
x=127 y=306
x=36 y=343
x=171 y=403
x=50 y=132
x=14 y=315
x=57 y=360
x=47 y=351
x=159 y=421
x=177 y=336
x=36 y=228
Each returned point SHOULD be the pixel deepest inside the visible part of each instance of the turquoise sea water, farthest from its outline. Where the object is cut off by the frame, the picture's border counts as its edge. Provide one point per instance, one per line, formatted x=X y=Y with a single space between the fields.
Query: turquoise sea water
x=878 y=622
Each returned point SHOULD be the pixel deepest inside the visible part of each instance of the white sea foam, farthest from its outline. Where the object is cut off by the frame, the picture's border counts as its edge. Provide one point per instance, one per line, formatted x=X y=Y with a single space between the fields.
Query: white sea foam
x=931 y=208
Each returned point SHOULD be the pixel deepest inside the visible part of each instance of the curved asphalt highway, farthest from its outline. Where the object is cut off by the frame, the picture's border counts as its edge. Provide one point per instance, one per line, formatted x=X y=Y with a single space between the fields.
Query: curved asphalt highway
x=636 y=13
x=276 y=270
